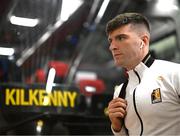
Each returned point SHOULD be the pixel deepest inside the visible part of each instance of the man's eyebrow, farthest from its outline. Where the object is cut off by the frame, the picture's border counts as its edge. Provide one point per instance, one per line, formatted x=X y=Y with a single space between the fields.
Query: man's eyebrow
x=120 y=35
x=117 y=36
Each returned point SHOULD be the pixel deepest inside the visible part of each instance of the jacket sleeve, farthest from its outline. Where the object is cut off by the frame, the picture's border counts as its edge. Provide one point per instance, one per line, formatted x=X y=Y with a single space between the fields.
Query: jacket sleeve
x=176 y=78
x=177 y=82
x=172 y=70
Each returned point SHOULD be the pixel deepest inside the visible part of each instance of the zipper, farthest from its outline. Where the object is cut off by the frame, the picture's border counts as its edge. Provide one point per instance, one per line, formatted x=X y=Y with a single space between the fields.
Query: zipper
x=134 y=102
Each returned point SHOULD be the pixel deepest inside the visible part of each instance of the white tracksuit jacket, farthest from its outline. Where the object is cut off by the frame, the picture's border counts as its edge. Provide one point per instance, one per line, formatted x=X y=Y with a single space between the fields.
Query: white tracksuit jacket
x=153 y=100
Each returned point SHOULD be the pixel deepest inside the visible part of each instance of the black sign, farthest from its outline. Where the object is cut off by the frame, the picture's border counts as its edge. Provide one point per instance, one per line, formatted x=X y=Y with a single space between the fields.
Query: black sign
x=35 y=98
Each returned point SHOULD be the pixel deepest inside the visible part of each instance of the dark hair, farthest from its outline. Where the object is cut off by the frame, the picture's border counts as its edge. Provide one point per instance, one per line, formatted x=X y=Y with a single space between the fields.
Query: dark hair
x=127 y=18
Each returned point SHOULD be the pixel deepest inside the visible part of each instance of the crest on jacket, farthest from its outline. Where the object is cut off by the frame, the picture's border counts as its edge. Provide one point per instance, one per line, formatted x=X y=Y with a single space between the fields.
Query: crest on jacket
x=156 y=96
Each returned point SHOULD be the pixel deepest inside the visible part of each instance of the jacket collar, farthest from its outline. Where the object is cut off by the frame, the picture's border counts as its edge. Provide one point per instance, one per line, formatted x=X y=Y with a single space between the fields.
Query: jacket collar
x=142 y=66
x=148 y=60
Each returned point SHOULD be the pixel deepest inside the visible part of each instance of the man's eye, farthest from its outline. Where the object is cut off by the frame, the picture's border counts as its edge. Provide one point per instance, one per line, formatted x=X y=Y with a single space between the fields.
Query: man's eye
x=120 y=38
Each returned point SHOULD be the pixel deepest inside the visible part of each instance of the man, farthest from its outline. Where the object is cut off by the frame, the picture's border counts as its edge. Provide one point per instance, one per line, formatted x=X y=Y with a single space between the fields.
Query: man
x=149 y=102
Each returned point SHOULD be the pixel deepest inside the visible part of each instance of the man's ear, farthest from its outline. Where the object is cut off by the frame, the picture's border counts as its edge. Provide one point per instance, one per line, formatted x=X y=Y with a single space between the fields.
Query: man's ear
x=145 y=40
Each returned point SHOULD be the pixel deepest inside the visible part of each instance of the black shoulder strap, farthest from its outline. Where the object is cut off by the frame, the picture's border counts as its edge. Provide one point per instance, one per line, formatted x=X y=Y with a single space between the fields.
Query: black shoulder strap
x=122 y=93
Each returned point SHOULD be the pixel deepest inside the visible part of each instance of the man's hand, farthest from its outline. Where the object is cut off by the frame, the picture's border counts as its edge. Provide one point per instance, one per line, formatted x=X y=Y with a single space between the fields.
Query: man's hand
x=117 y=111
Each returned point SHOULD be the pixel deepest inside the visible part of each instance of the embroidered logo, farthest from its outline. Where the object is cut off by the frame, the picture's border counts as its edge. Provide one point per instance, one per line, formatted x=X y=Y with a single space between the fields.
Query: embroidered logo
x=156 y=96
x=160 y=78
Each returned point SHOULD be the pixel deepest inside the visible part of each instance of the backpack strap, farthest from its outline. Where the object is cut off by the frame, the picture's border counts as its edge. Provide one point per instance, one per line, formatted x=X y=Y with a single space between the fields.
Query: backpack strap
x=122 y=93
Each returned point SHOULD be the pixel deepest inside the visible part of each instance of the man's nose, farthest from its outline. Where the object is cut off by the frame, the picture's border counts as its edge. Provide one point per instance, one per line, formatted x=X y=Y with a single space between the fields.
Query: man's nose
x=112 y=46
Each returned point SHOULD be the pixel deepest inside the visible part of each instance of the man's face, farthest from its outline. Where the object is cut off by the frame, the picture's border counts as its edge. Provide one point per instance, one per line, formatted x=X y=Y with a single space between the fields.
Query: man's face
x=125 y=46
